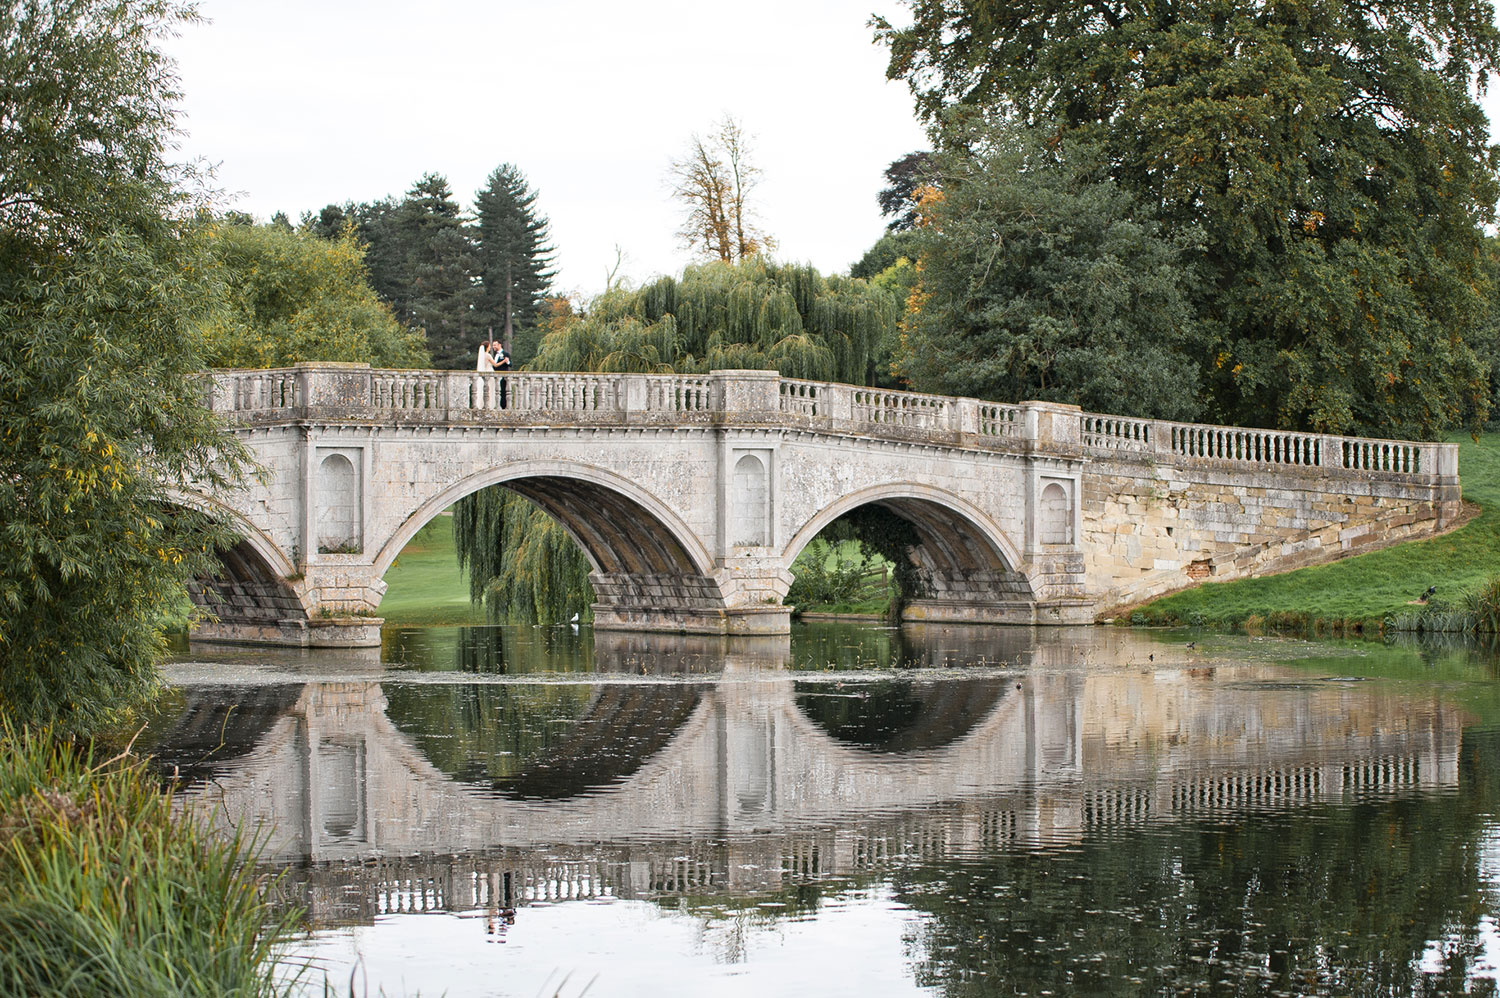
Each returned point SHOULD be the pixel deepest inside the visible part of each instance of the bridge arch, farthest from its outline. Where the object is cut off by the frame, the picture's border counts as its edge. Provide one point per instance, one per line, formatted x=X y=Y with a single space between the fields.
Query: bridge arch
x=251 y=598
x=963 y=551
x=250 y=535
x=620 y=526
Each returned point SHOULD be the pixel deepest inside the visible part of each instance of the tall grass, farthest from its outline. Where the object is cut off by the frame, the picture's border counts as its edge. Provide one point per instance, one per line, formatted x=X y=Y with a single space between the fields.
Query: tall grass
x=104 y=891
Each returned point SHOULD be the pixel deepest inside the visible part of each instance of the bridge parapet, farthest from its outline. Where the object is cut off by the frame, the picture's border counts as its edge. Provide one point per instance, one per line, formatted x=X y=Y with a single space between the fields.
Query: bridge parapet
x=313 y=391
x=1200 y=443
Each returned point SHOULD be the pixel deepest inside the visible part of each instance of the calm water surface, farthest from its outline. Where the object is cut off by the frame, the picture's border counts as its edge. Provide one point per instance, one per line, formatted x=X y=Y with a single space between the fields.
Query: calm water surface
x=863 y=811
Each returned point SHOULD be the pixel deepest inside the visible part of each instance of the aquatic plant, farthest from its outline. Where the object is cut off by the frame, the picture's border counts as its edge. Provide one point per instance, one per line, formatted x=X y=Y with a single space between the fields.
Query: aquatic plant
x=104 y=890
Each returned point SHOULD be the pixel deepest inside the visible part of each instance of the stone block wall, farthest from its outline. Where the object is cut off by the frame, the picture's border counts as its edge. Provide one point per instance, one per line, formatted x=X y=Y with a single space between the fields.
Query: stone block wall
x=1151 y=529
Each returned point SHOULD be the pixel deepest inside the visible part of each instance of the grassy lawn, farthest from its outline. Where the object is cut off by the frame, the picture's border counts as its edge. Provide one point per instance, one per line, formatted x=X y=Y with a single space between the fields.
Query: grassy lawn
x=426 y=587
x=1361 y=591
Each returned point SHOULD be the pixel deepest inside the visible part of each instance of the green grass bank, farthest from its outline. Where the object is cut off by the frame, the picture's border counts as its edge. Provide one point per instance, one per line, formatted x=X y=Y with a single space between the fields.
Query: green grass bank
x=426 y=588
x=1358 y=594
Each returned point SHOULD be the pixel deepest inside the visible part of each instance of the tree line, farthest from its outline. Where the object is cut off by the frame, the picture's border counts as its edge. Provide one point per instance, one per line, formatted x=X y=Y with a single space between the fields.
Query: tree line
x=1262 y=213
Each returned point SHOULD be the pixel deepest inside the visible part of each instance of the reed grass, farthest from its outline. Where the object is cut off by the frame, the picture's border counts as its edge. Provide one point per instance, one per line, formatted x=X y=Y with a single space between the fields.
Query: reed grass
x=105 y=890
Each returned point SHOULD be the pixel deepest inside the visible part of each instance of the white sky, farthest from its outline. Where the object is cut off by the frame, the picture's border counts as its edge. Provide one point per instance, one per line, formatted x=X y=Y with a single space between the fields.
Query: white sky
x=305 y=102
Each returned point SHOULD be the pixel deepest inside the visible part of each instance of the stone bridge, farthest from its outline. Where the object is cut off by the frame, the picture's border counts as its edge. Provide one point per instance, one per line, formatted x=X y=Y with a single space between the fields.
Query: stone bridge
x=693 y=495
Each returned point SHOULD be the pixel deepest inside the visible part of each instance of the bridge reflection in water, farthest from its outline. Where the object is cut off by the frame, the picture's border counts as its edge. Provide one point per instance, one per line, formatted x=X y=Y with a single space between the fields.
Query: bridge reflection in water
x=710 y=764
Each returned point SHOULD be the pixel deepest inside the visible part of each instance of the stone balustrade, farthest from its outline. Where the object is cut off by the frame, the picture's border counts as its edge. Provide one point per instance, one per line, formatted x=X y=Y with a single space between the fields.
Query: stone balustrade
x=312 y=391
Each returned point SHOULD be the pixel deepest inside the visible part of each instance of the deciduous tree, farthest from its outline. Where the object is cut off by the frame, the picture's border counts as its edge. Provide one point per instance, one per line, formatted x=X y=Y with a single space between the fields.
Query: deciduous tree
x=898 y=199
x=290 y=296
x=713 y=181
x=1042 y=279
x=1333 y=153
x=101 y=412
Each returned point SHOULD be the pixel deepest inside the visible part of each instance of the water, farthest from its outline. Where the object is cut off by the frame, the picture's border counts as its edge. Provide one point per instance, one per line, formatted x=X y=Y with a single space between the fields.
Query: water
x=863 y=811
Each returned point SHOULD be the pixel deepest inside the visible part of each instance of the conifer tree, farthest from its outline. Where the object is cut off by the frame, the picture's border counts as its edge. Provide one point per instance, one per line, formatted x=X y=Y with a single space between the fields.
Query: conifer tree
x=440 y=270
x=421 y=262
x=514 y=260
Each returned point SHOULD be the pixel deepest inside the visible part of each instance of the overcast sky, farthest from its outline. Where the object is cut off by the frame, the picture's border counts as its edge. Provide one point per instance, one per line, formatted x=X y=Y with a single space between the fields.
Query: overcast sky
x=305 y=102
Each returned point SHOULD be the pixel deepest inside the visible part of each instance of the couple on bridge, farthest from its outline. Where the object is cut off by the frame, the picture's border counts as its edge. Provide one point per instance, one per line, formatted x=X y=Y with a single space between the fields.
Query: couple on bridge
x=494 y=359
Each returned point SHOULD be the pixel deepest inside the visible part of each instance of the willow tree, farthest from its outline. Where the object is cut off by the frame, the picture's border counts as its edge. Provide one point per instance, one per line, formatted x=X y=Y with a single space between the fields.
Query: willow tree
x=754 y=314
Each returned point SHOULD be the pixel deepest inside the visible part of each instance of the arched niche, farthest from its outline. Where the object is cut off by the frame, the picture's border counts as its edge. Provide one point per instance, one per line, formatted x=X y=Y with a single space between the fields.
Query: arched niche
x=1055 y=515
x=749 y=503
x=336 y=486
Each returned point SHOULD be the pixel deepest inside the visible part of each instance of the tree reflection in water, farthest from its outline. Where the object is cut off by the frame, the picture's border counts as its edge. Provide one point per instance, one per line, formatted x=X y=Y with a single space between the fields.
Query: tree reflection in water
x=1332 y=900
x=1109 y=828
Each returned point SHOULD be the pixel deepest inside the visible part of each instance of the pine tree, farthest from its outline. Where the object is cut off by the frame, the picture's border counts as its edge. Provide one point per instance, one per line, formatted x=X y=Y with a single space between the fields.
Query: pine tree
x=440 y=269
x=514 y=260
x=422 y=263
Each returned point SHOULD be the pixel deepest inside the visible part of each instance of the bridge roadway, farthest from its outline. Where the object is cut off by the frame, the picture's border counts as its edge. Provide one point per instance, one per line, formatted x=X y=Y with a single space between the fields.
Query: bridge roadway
x=693 y=495
x=754 y=784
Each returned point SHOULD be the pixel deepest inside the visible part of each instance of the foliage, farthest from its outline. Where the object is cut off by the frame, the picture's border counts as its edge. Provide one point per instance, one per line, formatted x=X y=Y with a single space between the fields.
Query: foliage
x=890 y=249
x=1039 y=281
x=838 y=577
x=519 y=560
x=893 y=538
x=423 y=262
x=1333 y=153
x=290 y=297
x=713 y=181
x=105 y=891
x=514 y=257
x=101 y=411
x=757 y=314
x=898 y=199
x=1368 y=588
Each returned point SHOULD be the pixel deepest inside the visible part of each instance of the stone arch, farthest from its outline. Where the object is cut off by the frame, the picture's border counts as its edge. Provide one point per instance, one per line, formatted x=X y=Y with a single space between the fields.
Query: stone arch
x=957 y=535
x=619 y=525
x=748 y=501
x=252 y=536
x=251 y=597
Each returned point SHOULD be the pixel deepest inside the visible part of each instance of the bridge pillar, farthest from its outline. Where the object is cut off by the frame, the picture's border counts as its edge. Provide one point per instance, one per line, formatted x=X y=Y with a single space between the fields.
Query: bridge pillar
x=1048 y=585
x=743 y=597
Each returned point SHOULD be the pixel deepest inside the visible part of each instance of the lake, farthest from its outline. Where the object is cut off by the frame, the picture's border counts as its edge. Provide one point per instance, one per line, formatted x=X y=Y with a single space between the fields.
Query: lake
x=861 y=810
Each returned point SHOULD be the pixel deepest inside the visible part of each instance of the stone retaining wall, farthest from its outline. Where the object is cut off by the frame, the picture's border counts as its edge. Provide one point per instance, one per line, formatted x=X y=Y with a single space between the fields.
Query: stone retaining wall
x=1151 y=529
